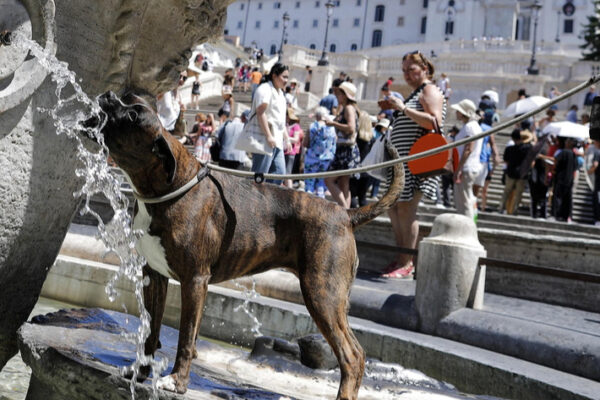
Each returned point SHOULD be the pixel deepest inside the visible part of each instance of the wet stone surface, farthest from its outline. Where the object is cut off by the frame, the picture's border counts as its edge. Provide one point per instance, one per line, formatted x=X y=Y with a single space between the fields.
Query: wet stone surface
x=78 y=354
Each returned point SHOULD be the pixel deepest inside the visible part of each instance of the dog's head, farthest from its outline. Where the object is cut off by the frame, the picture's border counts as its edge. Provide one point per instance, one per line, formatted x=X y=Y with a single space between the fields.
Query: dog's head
x=134 y=135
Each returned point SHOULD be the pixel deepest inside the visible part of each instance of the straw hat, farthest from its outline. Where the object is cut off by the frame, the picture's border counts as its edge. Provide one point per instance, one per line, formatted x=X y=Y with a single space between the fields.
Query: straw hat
x=227 y=89
x=292 y=115
x=294 y=80
x=467 y=108
x=384 y=123
x=349 y=90
x=526 y=136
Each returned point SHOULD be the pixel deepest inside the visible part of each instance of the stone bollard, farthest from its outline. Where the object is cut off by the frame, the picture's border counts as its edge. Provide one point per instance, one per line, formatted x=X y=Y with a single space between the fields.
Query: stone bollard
x=449 y=275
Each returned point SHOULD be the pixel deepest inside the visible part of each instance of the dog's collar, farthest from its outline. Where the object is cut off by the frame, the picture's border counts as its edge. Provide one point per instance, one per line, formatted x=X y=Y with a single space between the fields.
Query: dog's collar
x=196 y=179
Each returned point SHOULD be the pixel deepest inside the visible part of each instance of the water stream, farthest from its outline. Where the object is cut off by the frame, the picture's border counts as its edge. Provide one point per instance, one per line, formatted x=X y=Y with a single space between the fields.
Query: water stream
x=73 y=107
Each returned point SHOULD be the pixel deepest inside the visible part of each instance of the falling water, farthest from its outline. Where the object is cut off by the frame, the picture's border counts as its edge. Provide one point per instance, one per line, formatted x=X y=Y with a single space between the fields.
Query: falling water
x=73 y=107
x=249 y=294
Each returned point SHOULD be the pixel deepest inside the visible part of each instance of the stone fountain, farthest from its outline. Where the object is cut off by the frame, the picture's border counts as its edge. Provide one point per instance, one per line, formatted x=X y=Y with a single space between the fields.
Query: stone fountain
x=110 y=45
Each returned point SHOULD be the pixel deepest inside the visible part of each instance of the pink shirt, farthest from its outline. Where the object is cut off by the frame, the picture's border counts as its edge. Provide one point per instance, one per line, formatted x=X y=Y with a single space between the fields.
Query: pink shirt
x=295 y=131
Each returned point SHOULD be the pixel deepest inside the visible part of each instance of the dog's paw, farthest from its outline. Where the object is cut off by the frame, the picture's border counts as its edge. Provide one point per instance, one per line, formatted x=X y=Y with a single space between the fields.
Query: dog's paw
x=172 y=384
x=142 y=375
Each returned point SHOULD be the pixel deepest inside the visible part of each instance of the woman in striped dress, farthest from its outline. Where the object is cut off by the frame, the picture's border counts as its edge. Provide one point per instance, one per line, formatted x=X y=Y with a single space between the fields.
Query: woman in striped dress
x=413 y=118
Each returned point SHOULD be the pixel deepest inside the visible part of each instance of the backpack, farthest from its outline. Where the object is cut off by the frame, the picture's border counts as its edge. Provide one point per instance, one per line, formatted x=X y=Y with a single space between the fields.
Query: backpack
x=365 y=130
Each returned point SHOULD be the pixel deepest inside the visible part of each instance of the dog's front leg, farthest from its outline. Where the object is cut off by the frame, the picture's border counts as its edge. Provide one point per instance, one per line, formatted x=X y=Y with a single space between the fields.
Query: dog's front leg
x=193 y=295
x=155 y=296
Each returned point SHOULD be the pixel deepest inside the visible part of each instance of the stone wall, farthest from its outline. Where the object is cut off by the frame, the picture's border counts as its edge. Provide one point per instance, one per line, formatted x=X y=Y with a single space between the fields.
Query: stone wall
x=110 y=45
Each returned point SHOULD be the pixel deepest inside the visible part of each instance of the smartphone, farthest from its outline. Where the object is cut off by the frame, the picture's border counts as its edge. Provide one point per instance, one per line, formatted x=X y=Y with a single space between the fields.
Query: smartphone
x=595 y=119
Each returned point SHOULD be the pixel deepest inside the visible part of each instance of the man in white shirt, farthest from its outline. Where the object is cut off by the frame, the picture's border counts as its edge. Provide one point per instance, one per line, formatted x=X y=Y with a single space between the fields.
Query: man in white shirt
x=168 y=110
x=469 y=165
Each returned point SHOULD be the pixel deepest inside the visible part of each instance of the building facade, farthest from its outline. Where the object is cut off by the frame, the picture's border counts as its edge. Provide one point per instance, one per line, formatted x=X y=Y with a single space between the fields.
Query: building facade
x=362 y=24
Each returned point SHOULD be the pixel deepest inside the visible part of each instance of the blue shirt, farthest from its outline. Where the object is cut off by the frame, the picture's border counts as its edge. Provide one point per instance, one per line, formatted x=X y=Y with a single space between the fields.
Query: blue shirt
x=486 y=148
x=322 y=142
x=329 y=102
x=572 y=116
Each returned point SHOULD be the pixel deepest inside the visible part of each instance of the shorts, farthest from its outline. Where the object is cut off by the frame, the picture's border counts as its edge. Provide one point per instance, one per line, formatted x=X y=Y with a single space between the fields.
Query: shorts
x=223 y=112
x=481 y=177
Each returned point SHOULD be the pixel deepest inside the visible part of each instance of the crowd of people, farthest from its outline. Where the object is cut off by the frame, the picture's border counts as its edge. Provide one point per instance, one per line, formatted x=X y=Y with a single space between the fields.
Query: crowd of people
x=341 y=134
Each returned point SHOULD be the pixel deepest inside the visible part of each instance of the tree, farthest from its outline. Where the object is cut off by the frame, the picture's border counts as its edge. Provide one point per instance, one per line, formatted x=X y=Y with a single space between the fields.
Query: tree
x=591 y=35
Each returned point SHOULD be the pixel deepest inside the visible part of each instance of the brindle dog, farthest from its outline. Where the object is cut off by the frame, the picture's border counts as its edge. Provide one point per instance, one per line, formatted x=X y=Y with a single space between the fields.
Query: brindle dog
x=226 y=227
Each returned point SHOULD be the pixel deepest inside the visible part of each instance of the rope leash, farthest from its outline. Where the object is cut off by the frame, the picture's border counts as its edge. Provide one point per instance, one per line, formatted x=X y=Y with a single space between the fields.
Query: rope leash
x=259 y=177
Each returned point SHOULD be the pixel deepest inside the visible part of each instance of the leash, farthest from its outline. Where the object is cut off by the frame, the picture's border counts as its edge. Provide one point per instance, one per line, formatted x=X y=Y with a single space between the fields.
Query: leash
x=204 y=171
x=259 y=177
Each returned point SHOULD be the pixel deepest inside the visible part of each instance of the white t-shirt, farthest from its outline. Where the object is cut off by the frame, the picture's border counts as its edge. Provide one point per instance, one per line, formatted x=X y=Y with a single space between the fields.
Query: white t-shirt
x=168 y=110
x=470 y=129
x=276 y=111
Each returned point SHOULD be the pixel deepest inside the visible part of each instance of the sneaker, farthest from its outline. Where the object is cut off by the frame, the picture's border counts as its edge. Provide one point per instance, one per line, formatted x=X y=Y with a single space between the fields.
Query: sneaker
x=440 y=205
x=401 y=273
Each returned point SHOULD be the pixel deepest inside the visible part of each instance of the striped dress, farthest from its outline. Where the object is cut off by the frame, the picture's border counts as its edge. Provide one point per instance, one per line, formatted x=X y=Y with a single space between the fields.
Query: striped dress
x=405 y=133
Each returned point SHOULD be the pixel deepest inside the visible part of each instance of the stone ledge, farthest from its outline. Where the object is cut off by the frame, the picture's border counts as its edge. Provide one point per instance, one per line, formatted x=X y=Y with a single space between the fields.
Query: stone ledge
x=471 y=369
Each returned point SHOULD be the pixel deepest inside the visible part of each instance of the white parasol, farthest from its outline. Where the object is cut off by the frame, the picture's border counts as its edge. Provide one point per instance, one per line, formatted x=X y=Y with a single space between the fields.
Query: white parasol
x=492 y=94
x=525 y=105
x=567 y=129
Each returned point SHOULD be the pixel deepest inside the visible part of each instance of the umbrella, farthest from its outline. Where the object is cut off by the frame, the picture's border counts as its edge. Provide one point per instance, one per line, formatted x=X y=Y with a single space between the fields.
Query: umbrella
x=492 y=94
x=525 y=105
x=567 y=129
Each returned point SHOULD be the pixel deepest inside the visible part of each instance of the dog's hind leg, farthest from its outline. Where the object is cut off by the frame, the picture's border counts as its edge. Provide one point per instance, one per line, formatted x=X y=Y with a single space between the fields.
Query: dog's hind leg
x=326 y=298
x=193 y=295
x=155 y=296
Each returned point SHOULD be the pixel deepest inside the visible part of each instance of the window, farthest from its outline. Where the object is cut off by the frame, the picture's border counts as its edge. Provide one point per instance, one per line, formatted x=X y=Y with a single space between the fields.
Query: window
x=257 y=25
x=276 y=24
x=317 y=4
x=332 y=48
x=295 y=23
x=402 y=2
x=358 y=3
x=226 y=32
x=260 y=6
x=353 y=47
x=356 y=22
x=400 y=21
x=273 y=49
x=377 y=36
x=242 y=6
x=297 y=4
x=426 y=4
x=315 y=23
x=336 y=23
x=449 y=30
x=568 y=26
x=277 y=4
x=336 y=3
x=312 y=46
x=379 y=13
x=423 y=25
x=240 y=24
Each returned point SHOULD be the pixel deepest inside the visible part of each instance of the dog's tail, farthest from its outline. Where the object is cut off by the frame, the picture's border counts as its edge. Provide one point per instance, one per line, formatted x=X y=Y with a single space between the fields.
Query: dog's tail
x=362 y=215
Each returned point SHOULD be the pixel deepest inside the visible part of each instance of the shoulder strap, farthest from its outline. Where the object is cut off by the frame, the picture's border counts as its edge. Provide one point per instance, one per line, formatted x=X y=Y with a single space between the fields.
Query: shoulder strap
x=417 y=90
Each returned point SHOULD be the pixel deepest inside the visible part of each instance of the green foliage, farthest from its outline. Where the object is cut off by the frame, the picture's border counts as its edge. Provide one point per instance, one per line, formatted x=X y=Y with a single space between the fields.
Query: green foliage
x=591 y=35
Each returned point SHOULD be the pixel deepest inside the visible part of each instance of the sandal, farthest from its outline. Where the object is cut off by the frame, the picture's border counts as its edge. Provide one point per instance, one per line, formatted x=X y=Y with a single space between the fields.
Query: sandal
x=390 y=267
x=401 y=273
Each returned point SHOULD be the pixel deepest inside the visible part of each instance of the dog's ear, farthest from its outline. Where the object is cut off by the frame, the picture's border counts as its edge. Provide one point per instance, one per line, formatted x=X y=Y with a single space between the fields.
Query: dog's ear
x=163 y=151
